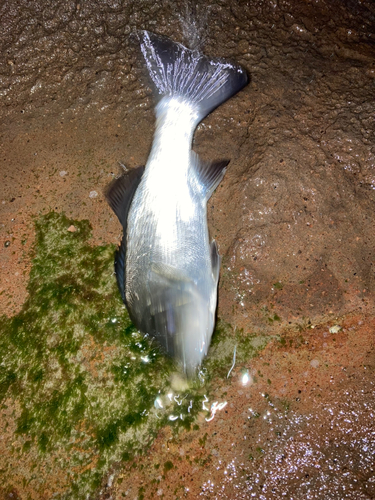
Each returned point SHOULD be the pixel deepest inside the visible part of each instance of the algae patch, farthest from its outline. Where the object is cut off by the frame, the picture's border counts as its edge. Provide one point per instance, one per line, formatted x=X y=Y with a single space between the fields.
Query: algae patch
x=74 y=365
x=81 y=389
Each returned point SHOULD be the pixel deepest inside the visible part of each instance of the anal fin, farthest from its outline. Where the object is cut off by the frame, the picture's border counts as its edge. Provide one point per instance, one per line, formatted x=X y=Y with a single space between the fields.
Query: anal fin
x=209 y=174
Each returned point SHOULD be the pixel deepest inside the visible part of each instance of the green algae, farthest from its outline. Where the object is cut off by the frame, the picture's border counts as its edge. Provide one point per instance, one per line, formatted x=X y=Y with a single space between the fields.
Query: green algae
x=90 y=389
x=168 y=465
x=63 y=359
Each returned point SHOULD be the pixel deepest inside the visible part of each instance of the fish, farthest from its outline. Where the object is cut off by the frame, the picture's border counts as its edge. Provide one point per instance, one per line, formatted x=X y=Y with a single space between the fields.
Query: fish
x=167 y=267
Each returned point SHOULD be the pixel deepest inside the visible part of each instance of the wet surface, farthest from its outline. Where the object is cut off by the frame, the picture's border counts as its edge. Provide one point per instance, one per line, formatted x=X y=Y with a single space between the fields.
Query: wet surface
x=300 y=425
x=293 y=218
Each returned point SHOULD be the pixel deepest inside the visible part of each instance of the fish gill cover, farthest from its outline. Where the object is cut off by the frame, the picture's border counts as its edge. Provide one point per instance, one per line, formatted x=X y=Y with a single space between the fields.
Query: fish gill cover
x=80 y=388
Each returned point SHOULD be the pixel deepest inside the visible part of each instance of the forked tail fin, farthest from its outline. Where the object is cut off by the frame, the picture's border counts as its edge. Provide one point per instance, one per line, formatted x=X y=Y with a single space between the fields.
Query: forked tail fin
x=178 y=71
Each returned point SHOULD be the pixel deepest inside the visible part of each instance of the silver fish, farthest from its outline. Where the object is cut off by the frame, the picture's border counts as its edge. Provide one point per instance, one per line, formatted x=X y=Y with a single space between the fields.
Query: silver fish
x=166 y=267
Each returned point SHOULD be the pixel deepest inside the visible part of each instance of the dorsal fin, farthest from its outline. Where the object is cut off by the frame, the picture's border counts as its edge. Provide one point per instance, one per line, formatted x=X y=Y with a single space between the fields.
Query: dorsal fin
x=120 y=192
x=119 y=195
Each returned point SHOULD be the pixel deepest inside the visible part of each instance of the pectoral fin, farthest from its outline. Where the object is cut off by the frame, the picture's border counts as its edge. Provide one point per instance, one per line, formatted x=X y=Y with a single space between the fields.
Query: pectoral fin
x=215 y=260
x=120 y=267
x=169 y=273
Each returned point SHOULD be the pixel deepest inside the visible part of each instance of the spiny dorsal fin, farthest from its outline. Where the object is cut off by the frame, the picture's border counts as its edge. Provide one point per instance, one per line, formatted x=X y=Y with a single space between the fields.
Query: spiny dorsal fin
x=120 y=267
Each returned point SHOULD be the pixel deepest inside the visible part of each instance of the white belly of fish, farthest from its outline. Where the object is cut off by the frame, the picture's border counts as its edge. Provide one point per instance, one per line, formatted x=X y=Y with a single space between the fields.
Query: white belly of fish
x=167 y=224
x=167 y=219
x=172 y=204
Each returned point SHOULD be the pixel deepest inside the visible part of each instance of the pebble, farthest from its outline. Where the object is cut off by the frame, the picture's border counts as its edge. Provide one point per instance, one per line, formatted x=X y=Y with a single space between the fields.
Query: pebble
x=335 y=329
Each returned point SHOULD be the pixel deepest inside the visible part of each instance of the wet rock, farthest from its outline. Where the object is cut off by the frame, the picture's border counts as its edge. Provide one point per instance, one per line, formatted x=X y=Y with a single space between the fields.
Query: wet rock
x=295 y=204
x=293 y=216
x=305 y=428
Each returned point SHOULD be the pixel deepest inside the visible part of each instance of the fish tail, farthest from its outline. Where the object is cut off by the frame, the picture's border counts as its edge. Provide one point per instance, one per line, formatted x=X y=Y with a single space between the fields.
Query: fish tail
x=181 y=72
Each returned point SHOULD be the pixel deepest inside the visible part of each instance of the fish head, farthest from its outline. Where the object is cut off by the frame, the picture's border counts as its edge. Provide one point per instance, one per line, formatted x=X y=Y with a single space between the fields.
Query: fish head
x=183 y=318
x=194 y=337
